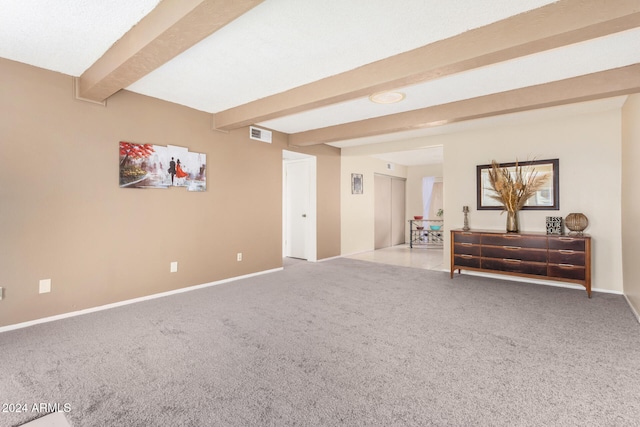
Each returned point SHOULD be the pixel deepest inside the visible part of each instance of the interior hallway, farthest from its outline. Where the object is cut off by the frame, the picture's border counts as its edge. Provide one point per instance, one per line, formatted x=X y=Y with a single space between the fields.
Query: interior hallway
x=429 y=258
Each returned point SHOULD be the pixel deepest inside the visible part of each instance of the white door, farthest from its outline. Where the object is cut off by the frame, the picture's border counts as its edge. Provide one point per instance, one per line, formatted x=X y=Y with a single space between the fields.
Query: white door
x=297 y=207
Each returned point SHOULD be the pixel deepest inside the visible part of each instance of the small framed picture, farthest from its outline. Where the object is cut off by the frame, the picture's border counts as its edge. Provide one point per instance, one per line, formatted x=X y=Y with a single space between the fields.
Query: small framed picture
x=356 y=183
x=554 y=225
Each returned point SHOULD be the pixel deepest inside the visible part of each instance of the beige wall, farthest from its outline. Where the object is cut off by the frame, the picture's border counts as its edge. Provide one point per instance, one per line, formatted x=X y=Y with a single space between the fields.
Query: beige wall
x=64 y=217
x=589 y=149
x=631 y=200
x=357 y=210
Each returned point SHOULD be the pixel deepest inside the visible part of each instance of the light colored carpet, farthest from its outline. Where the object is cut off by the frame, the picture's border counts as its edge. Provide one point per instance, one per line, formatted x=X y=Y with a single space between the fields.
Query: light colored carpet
x=343 y=342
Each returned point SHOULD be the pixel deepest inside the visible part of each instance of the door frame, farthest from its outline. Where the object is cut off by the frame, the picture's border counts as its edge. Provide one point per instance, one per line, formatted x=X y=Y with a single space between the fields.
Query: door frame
x=311 y=237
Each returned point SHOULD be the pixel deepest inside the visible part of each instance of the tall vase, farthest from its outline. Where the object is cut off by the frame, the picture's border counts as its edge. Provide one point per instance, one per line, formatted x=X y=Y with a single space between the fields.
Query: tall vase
x=512 y=222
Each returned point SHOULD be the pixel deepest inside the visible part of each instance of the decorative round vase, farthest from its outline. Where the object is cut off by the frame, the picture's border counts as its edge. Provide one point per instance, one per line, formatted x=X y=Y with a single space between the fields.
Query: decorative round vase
x=512 y=222
x=576 y=222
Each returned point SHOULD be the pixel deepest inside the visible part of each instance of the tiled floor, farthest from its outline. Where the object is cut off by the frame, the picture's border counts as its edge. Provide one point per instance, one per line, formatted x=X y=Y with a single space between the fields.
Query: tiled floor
x=419 y=257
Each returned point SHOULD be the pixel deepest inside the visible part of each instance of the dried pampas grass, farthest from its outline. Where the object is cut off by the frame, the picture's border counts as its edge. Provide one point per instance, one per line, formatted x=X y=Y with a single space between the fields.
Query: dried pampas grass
x=514 y=188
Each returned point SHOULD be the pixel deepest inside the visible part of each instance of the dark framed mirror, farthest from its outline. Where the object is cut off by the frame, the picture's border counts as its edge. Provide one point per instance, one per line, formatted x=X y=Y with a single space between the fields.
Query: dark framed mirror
x=547 y=198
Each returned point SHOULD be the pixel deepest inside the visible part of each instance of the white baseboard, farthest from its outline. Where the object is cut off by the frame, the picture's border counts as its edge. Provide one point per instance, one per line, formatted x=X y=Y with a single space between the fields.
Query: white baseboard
x=330 y=258
x=354 y=253
x=537 y=282
x=130 y=301
x=633 y=309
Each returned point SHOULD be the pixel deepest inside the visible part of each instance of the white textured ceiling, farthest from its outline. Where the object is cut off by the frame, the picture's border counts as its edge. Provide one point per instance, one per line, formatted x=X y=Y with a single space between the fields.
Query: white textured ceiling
x=423 y=156
x=283 y=44
x=65 y=35
x=570 y=61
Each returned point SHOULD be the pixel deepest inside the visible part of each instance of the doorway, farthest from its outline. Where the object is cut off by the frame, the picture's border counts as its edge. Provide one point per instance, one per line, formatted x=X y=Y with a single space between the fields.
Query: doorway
x=389 y=210
x=299 y=206
x=432 y=197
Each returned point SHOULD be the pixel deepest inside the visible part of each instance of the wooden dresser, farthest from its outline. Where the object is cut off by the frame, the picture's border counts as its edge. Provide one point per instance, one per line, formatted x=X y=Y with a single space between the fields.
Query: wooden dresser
x=534 y=255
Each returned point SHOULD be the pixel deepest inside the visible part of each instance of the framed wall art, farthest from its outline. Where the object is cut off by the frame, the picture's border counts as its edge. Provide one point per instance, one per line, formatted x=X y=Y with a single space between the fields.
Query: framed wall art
x=159 y=166
x=356 y=183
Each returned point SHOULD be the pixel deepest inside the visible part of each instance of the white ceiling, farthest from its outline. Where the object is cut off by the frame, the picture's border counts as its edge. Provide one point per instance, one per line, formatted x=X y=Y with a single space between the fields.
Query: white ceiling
x=571 y=61
x=283 y=44
x=65 y=35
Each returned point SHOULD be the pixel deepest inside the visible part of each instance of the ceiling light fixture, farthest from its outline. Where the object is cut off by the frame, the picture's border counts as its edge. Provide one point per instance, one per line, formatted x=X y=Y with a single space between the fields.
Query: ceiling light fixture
x=387 y=97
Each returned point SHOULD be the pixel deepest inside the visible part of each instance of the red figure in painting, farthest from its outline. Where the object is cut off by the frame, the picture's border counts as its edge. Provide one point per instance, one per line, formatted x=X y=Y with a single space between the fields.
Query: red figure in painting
x=179 y=172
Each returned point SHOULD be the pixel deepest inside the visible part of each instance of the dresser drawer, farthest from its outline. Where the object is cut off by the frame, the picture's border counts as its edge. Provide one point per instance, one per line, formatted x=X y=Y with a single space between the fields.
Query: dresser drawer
x=466 y=261
x=514 y=240
x=568 y=243
x=464 y=237
x=515 y=252
x=567 y=271
x=567 y=256
x=515 y=266
x=466 y=249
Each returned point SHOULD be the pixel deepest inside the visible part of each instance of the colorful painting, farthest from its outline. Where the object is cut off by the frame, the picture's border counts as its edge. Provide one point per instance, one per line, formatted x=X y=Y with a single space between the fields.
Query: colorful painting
x=158 y=166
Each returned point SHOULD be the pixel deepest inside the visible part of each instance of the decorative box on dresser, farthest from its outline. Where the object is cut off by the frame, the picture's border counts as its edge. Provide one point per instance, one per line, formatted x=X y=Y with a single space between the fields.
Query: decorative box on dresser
x=533 y=255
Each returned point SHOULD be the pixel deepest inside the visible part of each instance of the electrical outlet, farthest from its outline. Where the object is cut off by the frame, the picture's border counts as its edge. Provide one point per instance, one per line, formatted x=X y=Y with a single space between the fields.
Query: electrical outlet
x=45 y=286
x=174 y=267
x=239 y=256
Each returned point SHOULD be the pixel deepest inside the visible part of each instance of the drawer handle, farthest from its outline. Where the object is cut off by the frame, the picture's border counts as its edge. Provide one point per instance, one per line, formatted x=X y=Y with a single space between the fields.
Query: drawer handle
x=512 y=248
x=566 y=251
x=512 y=260
x=566 y=239
x=509 y=236
x=466 y=233
x=466 y=256
x=466 y=244
x=566 y=265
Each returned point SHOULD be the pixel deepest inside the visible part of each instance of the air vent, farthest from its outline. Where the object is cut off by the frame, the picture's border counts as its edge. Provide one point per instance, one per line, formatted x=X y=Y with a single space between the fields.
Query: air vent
x=259 y=134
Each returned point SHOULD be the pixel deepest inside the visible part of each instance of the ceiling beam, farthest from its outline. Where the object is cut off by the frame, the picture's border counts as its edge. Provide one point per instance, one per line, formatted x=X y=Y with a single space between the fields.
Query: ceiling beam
x=555 y=25
x=168 y=30
x=605 y=84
